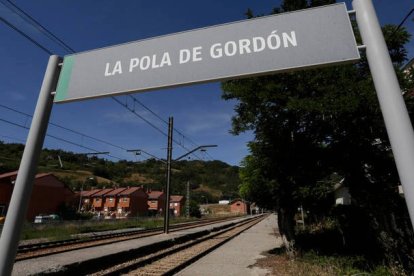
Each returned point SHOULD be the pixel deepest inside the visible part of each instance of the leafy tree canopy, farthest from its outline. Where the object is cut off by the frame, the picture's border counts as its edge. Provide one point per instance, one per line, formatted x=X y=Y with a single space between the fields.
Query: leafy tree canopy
x=314 y=128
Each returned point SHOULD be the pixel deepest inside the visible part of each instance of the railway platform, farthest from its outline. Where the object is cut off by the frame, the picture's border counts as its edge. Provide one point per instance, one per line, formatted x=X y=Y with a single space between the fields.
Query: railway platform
x=238 y=256
x=67 y=263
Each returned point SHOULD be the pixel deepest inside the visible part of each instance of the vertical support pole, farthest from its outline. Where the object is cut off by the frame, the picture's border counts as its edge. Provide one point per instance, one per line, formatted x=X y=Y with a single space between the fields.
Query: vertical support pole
x=303 y=217
x=397 y=121
x=23 y=186
x=187 y=203
x=80 y=198
x=60 y=162
x=167 y=189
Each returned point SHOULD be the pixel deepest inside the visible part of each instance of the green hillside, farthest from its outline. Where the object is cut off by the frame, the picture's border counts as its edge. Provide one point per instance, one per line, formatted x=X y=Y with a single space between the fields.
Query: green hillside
x=210 y=180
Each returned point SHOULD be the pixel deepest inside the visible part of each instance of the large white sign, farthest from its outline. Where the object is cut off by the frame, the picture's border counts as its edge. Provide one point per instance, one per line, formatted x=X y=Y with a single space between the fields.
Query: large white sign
x=307 y=38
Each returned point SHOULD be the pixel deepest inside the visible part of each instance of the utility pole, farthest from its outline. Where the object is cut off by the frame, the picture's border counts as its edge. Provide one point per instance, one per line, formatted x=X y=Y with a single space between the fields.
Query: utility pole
x=167 y=188
x=187 y=203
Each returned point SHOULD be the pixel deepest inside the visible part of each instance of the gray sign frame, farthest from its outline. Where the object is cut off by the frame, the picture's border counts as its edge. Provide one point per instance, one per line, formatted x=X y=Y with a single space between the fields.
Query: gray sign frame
x=277 y=43
x=392 y=104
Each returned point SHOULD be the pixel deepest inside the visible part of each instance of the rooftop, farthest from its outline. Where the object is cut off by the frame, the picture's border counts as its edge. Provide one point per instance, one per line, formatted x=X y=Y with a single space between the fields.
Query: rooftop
x=129 y=191
x=155 y=194
x=176 y=198
x=102 y=192
x=14 y=175
x=89 y=193
x=115 y=192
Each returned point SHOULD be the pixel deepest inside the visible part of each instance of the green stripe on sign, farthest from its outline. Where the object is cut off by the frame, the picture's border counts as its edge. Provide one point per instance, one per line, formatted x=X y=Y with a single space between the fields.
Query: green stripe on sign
x=64 y=78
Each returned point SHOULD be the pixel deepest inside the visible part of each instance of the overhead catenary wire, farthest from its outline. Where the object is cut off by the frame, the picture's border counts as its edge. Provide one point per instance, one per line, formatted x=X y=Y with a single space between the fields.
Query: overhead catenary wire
x=65 y=128
x=58 y=138
x=10 y=25
x=29 y=19
x=135 y=100
x=402 y=22
x=151 y=124
x=140 y=116
x=160 y=118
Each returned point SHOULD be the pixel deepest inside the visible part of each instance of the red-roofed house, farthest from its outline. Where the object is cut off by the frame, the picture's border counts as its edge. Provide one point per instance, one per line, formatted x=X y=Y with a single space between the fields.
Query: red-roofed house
x=47 y=196
x=239 y=206
x=177 y=204
x=86 y=198
x=156 y=201
x=133 y=201
x=111 y=199
x=98 y=199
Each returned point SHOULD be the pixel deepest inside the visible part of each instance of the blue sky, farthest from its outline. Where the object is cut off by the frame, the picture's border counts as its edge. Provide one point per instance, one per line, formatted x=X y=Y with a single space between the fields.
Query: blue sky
x=198 y=110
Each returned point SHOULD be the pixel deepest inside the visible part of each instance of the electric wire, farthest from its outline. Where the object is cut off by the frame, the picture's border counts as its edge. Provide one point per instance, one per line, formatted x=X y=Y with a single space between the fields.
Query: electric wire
x=29 y=19
x=141 y=117
x=65 y=128
x=402 y=22
x=58 y=138
x=135 y=100
x=405 y=18
x=69 y=49
x=161 y=119
x=151 y=124
x=10 y=25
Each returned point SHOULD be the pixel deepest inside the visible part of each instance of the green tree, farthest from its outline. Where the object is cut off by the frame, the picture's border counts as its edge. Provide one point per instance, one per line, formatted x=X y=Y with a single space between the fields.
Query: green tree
x=314 y=124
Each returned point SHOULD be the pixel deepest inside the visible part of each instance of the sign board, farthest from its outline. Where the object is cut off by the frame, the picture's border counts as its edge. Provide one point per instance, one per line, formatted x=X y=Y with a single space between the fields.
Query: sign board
x=307 y=38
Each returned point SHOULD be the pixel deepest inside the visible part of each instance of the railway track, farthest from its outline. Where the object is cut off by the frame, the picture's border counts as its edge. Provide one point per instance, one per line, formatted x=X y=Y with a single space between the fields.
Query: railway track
x=49 y=248
x=170 y=260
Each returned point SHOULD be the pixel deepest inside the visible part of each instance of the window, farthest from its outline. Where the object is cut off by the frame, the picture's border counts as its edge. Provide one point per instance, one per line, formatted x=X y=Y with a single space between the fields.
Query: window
x=111 y=199
x=125 y=199
x=97 y=199
x=238 y=204
x=176 y=204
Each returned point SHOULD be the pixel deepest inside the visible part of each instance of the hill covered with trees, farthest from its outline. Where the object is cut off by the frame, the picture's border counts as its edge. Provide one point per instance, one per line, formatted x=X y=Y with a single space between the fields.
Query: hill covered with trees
x=209 y=180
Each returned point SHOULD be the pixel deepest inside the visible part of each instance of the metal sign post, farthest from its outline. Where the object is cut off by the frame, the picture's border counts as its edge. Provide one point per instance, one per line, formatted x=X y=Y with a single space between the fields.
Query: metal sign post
x=397 y=121
x=24 y=183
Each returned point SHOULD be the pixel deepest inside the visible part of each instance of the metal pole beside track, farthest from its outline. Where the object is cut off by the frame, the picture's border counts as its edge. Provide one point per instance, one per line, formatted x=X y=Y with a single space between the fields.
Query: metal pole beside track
x=24 y=183
x=397 y=121
x=167 y=189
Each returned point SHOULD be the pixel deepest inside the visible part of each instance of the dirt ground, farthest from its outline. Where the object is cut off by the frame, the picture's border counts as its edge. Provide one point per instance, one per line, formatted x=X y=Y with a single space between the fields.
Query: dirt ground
x=281 y=265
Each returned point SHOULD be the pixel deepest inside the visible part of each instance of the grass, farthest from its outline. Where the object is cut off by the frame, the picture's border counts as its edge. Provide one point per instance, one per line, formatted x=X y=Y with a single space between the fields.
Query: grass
x=65 y=230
